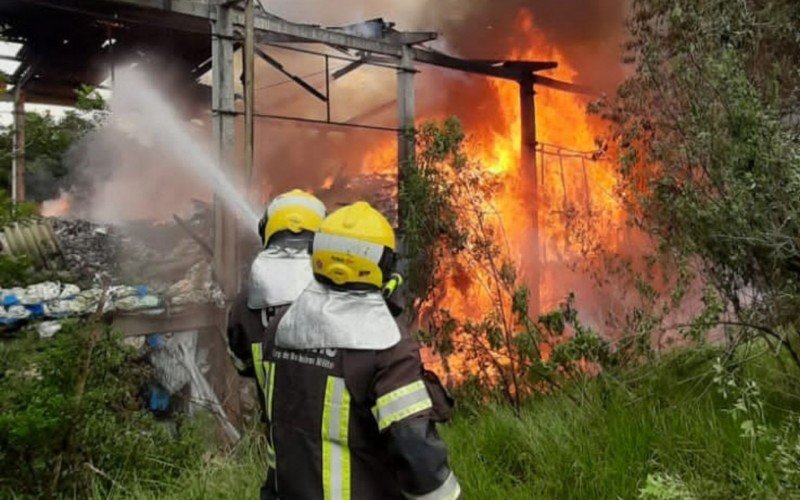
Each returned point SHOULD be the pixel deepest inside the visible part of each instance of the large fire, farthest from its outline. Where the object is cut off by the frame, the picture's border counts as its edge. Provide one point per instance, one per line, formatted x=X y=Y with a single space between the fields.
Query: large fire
x=572 y=185
x=574 y=181
x=576 y=201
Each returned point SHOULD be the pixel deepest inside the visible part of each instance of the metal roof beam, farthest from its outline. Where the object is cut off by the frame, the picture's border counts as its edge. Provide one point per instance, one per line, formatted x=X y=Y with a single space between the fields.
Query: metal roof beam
x=271 y=24
x=296 y=79
x=511 y=70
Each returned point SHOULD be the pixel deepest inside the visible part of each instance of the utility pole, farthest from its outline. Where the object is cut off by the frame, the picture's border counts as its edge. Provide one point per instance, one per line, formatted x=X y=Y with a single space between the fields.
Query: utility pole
x=248 y=54
x=18 y=162
x=224 y=121
x=406 y=140
x=532 y=263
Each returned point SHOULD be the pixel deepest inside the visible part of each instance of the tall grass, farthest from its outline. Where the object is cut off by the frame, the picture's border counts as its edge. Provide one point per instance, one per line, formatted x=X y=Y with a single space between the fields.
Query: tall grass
x=660 y=431
x=237 y=474
x=661 y=428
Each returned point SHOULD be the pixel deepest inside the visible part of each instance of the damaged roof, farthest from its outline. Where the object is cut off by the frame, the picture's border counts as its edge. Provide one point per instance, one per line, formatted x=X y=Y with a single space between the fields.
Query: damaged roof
x=69 y=43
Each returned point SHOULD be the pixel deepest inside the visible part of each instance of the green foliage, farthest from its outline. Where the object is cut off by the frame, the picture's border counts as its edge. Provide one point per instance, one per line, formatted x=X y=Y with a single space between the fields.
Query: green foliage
x=454 y=245
x=10 y=213
x=235 y=475
x=47 y=139
x=652 y=432
x=15 y=270
x=706 y=132
x=88 y=99
x=426 y=198
x=112 y=440
x=660 y=486
x=657 y=432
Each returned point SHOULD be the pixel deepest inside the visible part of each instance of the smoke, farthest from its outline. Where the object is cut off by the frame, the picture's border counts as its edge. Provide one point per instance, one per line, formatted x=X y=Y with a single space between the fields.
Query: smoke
x=589 y=33
x=147 y=161
x=119 y=178
x=586 y=35
x=127 y=175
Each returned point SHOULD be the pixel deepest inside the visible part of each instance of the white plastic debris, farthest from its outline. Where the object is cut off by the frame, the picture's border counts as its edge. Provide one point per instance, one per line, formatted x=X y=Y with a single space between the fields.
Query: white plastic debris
x=121 y=292
x=134 y=303
x=40 y=292
x=69 y=290
x=17 y=312
x=11 y=292
x=48 y=329
x=176 y=364
x=64 y=308
x=134 y=342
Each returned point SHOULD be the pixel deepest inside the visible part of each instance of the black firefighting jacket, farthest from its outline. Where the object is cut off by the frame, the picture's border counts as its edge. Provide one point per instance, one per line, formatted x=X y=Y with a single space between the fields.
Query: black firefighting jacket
x=246 y=326
x=352 y=424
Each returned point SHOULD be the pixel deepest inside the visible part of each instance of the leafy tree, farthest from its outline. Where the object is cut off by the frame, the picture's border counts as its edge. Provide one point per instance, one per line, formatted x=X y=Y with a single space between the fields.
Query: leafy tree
x=47 y=139
x=706 y=133
x=471 y=302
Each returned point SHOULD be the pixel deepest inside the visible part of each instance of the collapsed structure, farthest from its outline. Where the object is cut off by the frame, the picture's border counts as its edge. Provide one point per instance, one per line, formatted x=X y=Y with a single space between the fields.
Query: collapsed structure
x=81 y=41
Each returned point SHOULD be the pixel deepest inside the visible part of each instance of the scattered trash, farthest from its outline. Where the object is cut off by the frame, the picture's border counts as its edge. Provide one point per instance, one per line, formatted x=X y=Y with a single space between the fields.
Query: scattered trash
x=86 y=251
x=178 y=364
x=48 y=329
x=40 y=293
x=136 y=303
x=14 y=316
x=69 y=291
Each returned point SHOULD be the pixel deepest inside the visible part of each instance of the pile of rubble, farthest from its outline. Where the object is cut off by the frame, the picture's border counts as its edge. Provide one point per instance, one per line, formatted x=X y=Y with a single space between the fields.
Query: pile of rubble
x=88 y=249
x=143 y=267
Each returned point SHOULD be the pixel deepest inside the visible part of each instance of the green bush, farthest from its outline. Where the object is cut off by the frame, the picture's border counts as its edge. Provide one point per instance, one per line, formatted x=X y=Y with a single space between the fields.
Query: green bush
x=10 y=212
x=15 y=270
x=97 y=442
x=705 y=133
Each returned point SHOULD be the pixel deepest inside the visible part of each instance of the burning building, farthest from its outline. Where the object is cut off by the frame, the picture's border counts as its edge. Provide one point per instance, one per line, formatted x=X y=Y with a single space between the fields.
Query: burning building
x=326 y=103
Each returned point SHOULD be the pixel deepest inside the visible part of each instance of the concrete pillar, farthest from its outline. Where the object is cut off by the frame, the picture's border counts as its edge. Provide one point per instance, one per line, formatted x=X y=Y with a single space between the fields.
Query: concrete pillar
x=532 y=261
x=224 y=121
x=406 y=141
x=248 y=56
x=18 y=161
x=226 y=383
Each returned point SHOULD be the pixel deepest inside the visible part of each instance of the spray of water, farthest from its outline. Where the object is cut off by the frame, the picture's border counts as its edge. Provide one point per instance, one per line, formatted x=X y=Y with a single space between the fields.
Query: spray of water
x=142 y=113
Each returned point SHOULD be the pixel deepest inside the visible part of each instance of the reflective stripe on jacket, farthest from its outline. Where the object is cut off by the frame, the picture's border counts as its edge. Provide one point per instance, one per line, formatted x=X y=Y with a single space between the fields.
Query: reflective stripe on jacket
x=351 y=424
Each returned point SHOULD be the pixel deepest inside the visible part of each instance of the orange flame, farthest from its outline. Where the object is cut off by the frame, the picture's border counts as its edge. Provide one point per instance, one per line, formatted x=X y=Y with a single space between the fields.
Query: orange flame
x=57 y=207
x=576 y=193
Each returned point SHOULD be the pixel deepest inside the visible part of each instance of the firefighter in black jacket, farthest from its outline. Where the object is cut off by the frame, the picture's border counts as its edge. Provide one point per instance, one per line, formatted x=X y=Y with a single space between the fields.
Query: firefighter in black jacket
x=277 y=276
x=351 y=412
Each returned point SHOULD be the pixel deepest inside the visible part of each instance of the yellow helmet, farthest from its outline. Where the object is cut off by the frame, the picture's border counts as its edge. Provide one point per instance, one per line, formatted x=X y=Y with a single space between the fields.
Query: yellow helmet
x=295 y=211
x=354 y=247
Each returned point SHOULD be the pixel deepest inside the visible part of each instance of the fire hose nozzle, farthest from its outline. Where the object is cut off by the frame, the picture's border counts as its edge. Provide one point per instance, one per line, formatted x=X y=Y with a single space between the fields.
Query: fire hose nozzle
x=391 y=286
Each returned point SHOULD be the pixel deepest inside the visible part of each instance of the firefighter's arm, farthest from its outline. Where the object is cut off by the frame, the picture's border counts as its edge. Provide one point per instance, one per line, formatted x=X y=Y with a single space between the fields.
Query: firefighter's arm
x=243 y=325
x=405 y=414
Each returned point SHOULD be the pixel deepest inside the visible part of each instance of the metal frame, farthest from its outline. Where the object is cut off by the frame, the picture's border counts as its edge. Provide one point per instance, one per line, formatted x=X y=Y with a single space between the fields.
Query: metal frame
x=232 y=24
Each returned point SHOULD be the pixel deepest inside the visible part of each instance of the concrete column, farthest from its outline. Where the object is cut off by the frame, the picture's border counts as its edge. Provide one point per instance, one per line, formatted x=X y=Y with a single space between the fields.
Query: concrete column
x=406 y=141
x=532 y=260
x=226 y=383
x=18 y=162
x=248 y=55
x=224 y=121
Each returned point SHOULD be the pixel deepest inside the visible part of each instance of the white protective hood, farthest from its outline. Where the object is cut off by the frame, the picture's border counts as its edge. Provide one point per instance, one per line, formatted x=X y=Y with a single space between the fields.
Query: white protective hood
x=325 y=318
x=278 y=275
